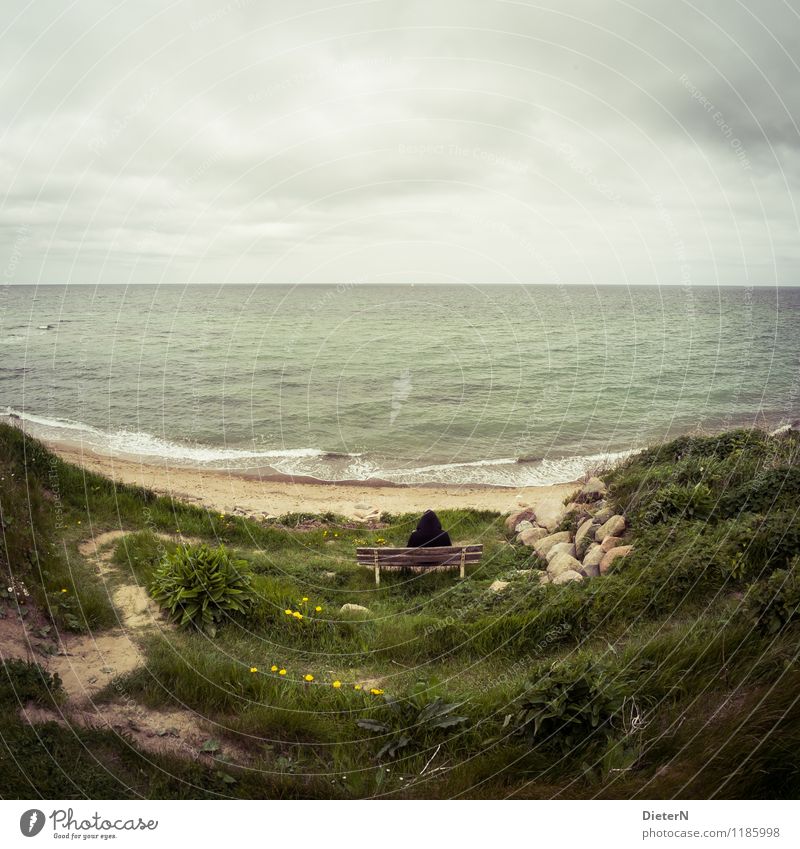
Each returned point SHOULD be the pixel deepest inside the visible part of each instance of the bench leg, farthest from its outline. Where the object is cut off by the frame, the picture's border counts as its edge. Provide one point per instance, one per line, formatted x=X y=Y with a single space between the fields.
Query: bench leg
x=461 y=571
x=377 y=575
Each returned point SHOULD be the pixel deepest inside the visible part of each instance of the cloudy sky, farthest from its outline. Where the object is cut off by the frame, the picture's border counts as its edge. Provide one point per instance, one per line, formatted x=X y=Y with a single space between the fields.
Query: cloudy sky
x=433 y=141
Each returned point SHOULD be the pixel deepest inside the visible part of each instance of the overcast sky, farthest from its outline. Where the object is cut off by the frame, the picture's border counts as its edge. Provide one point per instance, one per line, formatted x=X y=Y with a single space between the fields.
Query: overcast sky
x=244 y=141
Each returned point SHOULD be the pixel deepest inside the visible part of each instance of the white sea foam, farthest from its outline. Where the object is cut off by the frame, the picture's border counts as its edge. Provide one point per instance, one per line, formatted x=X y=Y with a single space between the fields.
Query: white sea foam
x=315 y=462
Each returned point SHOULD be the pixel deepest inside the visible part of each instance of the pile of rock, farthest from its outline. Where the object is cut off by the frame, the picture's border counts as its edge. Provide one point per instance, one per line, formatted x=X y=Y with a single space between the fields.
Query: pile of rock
x=587 y=553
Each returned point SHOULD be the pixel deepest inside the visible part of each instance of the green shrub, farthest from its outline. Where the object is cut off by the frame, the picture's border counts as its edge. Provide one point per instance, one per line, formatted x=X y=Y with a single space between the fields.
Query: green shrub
x=567 y=706
x=413 y=721
x=22 y=682
x=200 y=587
x=775 y=602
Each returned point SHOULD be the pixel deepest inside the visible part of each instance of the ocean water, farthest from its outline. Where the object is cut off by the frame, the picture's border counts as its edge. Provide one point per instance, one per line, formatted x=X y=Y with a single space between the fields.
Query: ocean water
x=505 y=385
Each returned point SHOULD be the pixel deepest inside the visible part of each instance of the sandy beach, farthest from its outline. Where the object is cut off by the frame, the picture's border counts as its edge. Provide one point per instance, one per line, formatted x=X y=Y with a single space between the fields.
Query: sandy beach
x=258 y=495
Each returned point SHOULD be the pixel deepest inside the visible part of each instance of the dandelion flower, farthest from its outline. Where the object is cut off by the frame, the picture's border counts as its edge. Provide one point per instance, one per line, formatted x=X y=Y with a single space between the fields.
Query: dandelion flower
x=288 y=612
x=281 y=672
x=318 y=609
x=305 y=598
x=297 y=614
x=64 y=590
x=356 y=686
x=254 y=669
x=308 y=677
x=273 y=668
x=376 y=692
x=337 y=684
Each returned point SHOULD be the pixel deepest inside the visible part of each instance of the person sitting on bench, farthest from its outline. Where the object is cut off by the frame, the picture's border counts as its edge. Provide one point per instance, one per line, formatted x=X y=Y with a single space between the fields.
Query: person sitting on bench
x=429 y=533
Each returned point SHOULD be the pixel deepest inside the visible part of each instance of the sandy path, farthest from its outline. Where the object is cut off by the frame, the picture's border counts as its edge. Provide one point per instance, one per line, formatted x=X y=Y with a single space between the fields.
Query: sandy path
x=230 y=492
x=88 y=663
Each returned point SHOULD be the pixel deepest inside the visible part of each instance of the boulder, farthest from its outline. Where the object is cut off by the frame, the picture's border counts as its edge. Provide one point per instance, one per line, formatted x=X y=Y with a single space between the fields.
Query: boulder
x=603 y=514
x=524 y=525
x=611 y=528
x=610 y=556
x=357 y=609
x=562 y=563
x=592 y=571
x=593 y=490
x=499 y=586
x=532 y=535
x=544 y=545
x=587 y=528
x=593 y=556
x=517 y=516
x=542 y=577
x=567 y=577
x=610 y=542
x=560 y=548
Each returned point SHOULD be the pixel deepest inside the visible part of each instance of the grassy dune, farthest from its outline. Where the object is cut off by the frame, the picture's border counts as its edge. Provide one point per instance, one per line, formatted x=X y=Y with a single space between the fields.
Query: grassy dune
x=674 y=675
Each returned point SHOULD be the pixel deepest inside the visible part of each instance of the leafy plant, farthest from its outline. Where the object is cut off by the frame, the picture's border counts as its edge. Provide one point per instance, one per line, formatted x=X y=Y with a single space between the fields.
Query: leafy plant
x=199 y=587
x=775 y=602
x=22 y=682
x=412 y=721
x=568 y=705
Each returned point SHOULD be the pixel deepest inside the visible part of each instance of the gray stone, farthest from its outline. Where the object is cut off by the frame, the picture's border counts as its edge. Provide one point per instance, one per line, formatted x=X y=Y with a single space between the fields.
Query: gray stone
x=610 y=556
x=562 y=563
x=499 y=586
x=560 y=548
x=593 y=556
x=603 y=514
x=516 y=516
x=610 y=542
x=567 y=577
x=543 y=577
x=532 y=536
x=611 y=528
x=590 y=571
x=593 y=490
x=358 y=609
x=585 y=530
x=544 y=545
x=524 y=525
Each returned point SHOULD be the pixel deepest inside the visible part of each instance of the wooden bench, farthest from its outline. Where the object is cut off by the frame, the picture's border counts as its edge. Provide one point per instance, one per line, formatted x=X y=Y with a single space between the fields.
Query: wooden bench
x=419 y=559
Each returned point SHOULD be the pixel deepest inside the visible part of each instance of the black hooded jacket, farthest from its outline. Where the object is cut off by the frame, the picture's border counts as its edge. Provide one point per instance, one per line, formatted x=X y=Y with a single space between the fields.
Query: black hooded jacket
x=429 y=532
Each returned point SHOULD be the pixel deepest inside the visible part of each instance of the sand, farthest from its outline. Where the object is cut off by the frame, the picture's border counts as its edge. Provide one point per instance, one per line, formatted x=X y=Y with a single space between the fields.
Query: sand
x=262 y=495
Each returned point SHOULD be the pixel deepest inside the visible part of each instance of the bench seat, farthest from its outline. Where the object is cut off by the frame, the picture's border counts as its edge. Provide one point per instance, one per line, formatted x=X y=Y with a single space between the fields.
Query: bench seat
x=419 y=559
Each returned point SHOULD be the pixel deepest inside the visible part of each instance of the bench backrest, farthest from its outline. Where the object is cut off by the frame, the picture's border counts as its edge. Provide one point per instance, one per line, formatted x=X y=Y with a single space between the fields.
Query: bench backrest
x=444 y=555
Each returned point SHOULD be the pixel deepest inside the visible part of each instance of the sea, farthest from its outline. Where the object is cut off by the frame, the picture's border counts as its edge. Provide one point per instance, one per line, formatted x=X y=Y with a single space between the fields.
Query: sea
x=507 y=385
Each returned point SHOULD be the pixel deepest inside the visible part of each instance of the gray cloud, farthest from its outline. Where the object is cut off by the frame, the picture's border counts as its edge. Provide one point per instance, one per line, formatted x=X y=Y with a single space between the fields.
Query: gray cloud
x=223 y=141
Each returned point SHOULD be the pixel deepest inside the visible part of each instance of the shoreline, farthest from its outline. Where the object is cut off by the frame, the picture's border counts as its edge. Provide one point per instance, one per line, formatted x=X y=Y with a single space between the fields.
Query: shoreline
x=272 y=494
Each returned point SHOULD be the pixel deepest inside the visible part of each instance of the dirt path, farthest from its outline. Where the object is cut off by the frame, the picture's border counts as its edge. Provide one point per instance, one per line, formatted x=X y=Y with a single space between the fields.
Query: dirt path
x=88 y=663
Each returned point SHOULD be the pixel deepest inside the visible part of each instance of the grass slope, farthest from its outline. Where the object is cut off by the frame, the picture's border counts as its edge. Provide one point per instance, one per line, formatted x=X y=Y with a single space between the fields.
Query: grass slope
x=676 y=675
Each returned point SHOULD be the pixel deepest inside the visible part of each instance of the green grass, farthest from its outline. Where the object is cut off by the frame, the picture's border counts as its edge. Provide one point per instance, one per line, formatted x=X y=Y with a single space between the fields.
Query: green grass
x=673 y=628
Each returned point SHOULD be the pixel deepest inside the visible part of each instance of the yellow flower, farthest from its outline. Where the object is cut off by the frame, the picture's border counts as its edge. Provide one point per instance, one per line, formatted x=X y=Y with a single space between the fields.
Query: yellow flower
x=308 y=677
x=281 y=672
x=79 y=521
x=305 y=598
x=318 y=609
x=64 y=590
x=357 y=686
x=337 y=684
x=297 y=614
x=273 y=668
x=336 y=535
x=288 y=612
x=376 y=692
x=222 y=515
x=254 y=669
